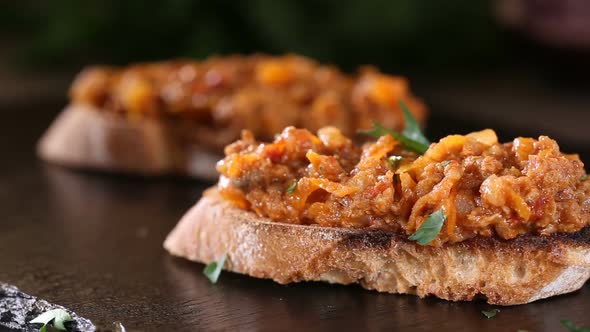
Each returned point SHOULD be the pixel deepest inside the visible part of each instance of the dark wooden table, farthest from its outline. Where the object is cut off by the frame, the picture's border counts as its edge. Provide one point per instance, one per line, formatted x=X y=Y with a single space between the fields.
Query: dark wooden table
x=93 y=243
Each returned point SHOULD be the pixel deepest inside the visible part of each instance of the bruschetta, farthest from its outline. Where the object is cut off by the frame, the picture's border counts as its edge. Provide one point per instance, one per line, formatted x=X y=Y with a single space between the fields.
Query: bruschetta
x=176 y=116
x=460 y=219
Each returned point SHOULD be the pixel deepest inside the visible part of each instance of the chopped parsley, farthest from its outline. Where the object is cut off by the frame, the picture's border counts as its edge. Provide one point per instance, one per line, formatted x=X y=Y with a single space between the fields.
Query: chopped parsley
x=430 y=228
x=445 y=163
x=395 y=160
x=573 y=327
x=490 y=313
x=213 y=269
x=411 y=137
x=412 y=128
x=584 y=178
x=55 y=317
x=291 y=188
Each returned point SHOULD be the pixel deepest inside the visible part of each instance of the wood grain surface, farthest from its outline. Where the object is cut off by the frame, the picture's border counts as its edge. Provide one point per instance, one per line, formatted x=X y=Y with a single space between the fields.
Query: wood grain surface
x=93 y=243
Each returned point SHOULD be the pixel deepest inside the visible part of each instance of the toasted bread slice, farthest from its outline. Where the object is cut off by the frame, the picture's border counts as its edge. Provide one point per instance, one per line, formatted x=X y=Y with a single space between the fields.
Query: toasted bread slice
x=84 y=137
x=503 y=272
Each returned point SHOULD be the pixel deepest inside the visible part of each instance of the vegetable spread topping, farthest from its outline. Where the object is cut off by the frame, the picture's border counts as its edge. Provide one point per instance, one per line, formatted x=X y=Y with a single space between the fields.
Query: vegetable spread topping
x=461 y=187
x=222 y=95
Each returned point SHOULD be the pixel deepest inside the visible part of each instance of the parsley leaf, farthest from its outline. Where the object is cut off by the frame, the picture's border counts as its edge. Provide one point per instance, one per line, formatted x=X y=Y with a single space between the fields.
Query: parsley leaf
x=412 y=128
x=584 y=178
x=394 y=160
x=490 y=313
x=213 y=269
x=57 y=316
x=430 y=228
x=291 y=188
x=378 y=130
x=411 y=138
x=573 y=327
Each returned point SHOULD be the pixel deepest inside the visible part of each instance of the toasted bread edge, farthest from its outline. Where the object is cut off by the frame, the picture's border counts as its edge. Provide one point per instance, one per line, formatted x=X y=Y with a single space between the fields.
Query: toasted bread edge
x=502 y=272
x=84 y=137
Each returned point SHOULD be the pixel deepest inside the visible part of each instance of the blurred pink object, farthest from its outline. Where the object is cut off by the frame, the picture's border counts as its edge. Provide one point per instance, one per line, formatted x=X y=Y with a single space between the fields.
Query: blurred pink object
x=559 y=23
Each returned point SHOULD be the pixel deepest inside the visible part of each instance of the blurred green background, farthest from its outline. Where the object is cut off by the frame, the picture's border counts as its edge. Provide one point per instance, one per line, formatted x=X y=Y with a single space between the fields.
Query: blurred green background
x=401 y=36
x=517 y=65
x=458 y=37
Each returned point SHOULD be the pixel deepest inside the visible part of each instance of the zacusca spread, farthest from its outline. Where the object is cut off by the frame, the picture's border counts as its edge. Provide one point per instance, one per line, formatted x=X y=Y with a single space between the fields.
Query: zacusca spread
x=486 y=188
x=220 y=96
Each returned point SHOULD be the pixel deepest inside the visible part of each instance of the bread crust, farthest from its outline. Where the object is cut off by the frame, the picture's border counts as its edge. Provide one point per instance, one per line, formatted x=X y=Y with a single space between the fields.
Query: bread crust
x=503 y=272
x=83 y=136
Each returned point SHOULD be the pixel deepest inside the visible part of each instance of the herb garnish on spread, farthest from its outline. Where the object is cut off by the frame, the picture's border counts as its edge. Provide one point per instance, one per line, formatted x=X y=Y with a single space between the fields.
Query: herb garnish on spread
x=411 y=138
x=430 y=228
x=461 y=187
